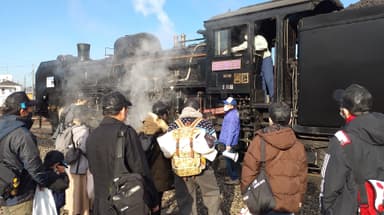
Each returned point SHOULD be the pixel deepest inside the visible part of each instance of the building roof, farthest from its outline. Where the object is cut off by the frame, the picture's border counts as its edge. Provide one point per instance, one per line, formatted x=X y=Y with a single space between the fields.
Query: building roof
x=8 y=83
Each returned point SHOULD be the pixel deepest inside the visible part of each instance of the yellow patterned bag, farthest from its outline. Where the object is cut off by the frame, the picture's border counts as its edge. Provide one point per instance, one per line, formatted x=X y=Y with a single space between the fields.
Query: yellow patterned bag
x=185 y=161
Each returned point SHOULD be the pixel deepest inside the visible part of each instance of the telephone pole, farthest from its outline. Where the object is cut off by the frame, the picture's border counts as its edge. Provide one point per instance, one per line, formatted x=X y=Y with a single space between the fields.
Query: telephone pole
x=33 y=81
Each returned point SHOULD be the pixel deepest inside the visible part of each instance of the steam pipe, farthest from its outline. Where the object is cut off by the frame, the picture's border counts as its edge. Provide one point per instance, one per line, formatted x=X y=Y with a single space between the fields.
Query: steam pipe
x=190 y=61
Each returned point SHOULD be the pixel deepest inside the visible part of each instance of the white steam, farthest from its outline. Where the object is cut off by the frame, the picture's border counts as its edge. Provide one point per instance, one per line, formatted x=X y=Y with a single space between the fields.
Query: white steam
x=155 y=7
x=149 y=77
x=145 y=76
x=145 y=81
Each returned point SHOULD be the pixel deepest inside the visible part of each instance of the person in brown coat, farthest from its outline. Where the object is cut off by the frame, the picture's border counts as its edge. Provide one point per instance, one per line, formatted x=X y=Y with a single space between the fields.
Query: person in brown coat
x=286 y=162
x=155 y=125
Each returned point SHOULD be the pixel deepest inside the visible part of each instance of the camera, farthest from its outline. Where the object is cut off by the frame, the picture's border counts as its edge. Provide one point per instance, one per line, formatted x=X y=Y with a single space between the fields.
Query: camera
x=222 y=149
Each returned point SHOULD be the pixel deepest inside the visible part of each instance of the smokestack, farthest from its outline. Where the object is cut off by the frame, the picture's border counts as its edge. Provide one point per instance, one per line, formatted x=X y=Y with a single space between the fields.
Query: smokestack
x=83 y=51
x=183 y=38
x=175 y=41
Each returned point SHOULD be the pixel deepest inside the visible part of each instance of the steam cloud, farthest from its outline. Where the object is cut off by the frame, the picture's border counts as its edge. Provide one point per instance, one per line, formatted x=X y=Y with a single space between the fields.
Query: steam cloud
x=155 y=7
x=143 y=79
x=147 y=76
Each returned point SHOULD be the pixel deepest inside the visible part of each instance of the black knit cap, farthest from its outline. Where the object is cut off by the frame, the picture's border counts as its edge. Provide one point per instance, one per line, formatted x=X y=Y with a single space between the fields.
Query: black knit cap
x=354 y=98
x=53 y=157
x=115 y=101
x=160 y=108
x=18 y=100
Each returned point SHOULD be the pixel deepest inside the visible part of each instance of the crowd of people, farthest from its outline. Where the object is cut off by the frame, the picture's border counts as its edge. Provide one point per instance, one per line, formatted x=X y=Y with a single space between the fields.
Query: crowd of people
x=154 y=155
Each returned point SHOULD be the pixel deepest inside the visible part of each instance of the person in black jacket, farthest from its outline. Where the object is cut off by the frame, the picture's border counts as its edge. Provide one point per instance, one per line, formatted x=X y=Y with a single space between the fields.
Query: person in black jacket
x=54 y=161
x=101 y=154
x=19 y=152
x=355 y=154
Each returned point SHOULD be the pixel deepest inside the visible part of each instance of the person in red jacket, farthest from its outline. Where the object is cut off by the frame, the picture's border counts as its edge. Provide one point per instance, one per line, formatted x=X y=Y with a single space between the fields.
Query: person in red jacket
x=286 y=161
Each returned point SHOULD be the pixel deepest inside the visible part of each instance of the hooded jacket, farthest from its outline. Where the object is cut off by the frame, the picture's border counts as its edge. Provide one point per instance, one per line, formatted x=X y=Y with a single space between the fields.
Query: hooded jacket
x=354 y=154
x=286 y=166
x=20 y=153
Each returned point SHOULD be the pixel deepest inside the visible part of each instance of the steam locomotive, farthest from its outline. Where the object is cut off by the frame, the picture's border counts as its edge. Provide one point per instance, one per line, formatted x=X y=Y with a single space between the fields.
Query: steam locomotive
x=317 y=46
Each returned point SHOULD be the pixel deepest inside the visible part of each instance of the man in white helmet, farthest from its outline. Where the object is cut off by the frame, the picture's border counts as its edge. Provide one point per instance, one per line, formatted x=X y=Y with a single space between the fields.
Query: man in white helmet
x=261 y=49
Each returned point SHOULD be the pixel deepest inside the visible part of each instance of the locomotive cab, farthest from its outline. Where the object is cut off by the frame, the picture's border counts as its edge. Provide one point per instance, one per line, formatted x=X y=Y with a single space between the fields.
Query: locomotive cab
x=237 y=73
x=231 y=72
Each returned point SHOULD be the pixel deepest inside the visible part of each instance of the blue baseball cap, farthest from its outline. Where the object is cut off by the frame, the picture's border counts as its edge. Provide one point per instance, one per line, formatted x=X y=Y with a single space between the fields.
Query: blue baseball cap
x=230 y=101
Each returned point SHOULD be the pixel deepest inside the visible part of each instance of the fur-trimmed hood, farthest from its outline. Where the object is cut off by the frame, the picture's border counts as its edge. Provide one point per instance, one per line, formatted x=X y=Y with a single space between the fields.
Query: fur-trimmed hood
x=152 y=124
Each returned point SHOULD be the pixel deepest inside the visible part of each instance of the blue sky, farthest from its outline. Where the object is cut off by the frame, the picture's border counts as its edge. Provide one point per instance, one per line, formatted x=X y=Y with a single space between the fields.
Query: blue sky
x=40 y=30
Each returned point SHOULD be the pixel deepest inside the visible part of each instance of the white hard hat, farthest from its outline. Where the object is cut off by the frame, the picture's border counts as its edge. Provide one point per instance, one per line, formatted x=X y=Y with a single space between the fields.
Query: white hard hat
x=260 y=43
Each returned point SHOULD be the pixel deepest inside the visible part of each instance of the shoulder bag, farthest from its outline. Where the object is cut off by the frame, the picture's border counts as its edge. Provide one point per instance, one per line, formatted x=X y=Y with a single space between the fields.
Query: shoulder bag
x=127 y=190
x=258 y=196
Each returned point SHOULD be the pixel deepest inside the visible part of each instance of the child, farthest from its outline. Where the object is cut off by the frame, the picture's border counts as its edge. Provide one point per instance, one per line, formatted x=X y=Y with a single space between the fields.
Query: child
x=54 y=161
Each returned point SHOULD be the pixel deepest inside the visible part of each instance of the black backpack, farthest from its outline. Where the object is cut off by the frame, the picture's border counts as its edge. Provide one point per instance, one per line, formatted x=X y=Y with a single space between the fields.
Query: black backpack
x=127 y=193
x=148 y=143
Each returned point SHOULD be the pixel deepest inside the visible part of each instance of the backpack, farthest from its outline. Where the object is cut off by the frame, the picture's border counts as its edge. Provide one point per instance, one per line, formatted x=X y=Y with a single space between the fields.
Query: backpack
x=61 y=126
x=148 y=144
x=127 y=191
x=65 y=144
x=374 y=198
x=370 y=191
x=186 y=162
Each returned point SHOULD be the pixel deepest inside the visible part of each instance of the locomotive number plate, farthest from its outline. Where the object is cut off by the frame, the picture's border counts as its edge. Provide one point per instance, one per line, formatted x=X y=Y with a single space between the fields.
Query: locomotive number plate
x=241 y=78
x=226 y=65
x=50 y=82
